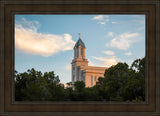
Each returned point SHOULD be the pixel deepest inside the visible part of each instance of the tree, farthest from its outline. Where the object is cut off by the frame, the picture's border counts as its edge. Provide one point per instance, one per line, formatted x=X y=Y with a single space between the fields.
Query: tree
x=135 y=89
x=78 y=94
x=79 y=85
x=34 y=86
x=85 y=94
x=121 y=83
x=100 y=88
x=115 y=80
x=69 y=85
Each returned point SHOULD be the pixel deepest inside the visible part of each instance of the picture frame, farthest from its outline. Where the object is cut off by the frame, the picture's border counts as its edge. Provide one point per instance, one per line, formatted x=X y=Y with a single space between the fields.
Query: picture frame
x=9 y=8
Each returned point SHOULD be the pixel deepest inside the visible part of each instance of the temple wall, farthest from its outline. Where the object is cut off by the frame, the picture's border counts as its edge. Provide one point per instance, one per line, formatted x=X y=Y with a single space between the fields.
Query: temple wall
x=92 y=77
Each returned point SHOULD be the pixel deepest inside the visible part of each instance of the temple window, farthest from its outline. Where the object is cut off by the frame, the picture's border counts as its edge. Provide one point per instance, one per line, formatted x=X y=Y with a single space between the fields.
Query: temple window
x=82 y=51
x=91 y=81
x=95 y=78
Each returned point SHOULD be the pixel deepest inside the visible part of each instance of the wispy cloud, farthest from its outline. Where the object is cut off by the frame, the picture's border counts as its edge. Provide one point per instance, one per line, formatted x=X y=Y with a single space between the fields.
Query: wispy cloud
x=102 y=19
x=30 y=25
x=140 y=20
x=107 y=62
x=68 y=67
x=99 y=17
x=128 y=54
x=123 y=41
x=114 y=22
x=91 y=63
x=103 y=23
x=29 y=40
x=108 y=52
x=110 y=34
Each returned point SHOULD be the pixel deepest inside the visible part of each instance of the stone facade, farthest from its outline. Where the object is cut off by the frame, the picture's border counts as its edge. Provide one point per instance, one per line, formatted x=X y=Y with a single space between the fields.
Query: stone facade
x=80 y=69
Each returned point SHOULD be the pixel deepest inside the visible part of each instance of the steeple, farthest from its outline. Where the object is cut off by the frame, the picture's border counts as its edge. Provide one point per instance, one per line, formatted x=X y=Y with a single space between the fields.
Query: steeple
x=79 y=42
x=79 y=35
x=79 y=49
x=79 y=60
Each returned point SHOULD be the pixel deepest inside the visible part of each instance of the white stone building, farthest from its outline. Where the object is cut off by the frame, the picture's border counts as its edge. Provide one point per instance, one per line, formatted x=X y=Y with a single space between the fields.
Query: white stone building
x=80 y=69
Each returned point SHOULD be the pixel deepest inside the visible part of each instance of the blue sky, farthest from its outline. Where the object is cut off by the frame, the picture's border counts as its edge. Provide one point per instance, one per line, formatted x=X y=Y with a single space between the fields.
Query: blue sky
x=45 y=42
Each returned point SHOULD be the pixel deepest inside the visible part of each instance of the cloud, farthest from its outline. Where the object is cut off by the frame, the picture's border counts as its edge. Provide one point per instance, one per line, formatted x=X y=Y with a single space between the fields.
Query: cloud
x=128 y=54
x=30 y=25
x=102 y=19
x=123 y=41
x=68 y=67
x=103 y=23
x=114 y=22
x=107 y=62
x=140 y=21
x=108 y=52
x=99 y=17
x=28 y=40
x=110 y=34
x=90 y=63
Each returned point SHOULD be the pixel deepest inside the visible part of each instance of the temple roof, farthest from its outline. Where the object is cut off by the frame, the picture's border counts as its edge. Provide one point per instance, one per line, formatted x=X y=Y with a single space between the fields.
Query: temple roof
x=79 y=43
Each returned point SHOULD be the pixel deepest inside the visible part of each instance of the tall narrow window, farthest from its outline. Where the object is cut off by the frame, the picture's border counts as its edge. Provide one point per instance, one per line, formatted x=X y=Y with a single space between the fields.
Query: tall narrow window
x=82 y=52
x=95 y=78
x=73 y=78
x=91 y=81
x=74 y=53
x=77 y=53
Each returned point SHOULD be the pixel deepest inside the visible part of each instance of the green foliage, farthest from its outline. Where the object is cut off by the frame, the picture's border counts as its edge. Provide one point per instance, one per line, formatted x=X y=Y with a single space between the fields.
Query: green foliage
x=84 y=94
x=120 y=83
x=79 y=86
x=135 y=89
x=33 y=86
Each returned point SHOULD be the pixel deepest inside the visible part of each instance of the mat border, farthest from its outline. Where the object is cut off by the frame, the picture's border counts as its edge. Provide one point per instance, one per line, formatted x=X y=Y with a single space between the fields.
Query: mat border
x=10 y=107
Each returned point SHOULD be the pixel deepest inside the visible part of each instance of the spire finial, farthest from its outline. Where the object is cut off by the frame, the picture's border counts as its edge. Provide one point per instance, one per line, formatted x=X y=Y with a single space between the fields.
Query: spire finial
x=79 y=35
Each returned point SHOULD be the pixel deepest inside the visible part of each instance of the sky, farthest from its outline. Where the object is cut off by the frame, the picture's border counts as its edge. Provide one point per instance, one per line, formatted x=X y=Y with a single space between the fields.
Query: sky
x=45 y=42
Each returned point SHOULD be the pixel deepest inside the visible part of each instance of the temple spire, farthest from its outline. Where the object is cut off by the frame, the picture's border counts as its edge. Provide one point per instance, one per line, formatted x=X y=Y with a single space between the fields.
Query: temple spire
x=79 y=42
x=79 y=35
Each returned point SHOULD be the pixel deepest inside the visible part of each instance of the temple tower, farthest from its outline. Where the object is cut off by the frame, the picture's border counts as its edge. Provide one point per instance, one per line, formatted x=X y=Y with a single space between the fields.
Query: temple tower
x=79 y=61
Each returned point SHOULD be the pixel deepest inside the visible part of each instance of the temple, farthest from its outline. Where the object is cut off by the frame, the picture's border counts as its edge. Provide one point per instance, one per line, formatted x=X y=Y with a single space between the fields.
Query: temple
x=80 y=69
